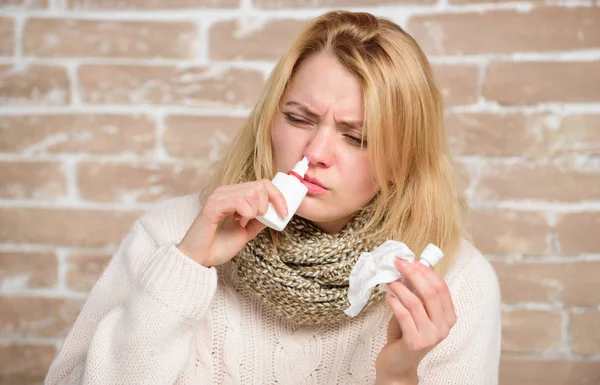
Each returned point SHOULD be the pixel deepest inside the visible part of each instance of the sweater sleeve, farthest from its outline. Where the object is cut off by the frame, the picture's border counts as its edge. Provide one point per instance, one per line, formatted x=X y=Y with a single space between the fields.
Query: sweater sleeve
x=470 y=355
x=138 y=322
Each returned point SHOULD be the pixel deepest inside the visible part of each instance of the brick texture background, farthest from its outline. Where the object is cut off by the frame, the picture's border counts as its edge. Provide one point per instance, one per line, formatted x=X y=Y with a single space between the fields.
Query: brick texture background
x=109 y=105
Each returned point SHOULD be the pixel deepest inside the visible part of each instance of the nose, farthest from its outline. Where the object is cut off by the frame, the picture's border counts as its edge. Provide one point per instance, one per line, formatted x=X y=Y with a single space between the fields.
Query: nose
x=319 y=150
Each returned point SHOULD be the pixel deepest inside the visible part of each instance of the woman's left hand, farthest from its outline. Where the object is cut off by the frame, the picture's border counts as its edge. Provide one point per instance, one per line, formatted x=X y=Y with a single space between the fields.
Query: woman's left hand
x=419 y=323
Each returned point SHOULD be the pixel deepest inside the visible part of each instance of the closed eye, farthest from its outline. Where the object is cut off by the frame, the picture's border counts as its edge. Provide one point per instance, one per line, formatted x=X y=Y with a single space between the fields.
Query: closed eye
x=294 y=120
x=356 y=141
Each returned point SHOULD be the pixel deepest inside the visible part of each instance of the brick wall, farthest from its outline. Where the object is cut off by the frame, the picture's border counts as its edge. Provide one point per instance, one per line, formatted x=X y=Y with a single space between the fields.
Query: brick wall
x=109 y=105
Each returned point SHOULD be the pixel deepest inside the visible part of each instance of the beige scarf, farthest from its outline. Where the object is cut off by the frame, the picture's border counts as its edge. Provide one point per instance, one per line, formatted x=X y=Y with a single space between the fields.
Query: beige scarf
x=306 y=279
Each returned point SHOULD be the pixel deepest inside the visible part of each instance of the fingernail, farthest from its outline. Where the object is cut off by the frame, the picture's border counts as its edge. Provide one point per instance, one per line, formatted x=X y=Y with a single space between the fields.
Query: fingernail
x=401 y=262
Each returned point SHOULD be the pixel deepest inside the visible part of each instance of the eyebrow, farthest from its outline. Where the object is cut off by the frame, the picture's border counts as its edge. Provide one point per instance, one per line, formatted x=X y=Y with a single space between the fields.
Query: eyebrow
x=311 y=114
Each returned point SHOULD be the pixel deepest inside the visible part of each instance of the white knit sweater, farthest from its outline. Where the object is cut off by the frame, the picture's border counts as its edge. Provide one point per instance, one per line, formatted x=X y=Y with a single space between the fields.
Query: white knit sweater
x=157 y=317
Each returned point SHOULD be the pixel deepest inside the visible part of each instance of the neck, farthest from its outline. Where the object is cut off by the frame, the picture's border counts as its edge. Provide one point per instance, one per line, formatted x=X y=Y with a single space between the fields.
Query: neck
x=334 y=226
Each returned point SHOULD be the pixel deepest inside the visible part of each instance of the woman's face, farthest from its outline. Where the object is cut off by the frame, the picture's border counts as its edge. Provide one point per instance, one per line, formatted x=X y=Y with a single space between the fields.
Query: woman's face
x=320 y=117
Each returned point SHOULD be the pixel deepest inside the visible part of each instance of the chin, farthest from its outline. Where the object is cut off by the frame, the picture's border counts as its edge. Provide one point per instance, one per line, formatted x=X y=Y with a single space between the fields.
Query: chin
x=317 y=211
x=313 y=210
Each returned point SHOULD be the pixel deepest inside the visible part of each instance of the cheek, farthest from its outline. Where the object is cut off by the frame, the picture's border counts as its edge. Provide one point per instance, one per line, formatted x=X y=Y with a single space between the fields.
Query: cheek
x=361 y=177
x=281 y=139
x=286 y=145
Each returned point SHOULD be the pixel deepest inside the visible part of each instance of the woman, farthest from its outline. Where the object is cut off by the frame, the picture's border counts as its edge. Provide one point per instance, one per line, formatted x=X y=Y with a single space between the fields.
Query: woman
x=200 y=292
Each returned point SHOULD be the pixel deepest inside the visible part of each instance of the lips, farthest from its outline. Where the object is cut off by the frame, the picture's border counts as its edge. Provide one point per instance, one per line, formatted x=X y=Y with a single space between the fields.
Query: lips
x=314 y=181
x=314 y=186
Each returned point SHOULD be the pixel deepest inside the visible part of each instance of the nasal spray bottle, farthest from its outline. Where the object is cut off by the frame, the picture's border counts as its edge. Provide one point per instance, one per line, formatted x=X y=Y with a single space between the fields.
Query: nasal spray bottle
x=293 y=191
x=430 y=256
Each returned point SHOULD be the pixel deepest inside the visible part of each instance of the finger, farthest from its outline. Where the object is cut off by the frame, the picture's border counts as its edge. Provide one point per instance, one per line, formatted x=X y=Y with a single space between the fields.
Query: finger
x=245 y=194
x=404 y=318
x=413 y=304
x=275 y=197
x=252 y=197
x=427 y=292
x=216 y=207
x=443 y=292
x=254 y=227
x=263 y=199
x=243 y=208
x=254 y=212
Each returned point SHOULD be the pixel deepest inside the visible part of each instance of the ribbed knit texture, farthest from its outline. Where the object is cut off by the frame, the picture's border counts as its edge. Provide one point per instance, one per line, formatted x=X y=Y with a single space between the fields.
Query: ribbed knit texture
x=156 y=317
x=306 y=277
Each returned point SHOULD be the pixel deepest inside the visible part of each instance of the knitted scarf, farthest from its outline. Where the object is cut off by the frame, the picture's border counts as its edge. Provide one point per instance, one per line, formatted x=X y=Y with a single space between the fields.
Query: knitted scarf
x=305 y=278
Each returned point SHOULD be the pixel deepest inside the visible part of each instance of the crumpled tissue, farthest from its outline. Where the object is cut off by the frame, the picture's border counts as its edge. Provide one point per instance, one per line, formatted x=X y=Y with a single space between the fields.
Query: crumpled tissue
x=377 y=268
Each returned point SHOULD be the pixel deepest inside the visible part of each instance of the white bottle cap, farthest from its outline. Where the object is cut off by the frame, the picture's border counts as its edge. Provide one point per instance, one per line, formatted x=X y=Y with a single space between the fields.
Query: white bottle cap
x=431 y=255
x=301 y=167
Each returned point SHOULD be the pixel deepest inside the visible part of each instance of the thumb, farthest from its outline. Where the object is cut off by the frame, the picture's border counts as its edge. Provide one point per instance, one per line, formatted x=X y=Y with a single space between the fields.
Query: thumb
x=394 y=332
x=253 y=227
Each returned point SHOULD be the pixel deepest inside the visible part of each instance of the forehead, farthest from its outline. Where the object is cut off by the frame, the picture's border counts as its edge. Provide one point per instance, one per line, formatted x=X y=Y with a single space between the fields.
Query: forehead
x=324 y=84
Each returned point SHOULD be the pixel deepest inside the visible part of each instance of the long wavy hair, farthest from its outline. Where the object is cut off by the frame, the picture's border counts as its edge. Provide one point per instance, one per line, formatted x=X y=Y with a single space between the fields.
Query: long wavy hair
x=403 y=120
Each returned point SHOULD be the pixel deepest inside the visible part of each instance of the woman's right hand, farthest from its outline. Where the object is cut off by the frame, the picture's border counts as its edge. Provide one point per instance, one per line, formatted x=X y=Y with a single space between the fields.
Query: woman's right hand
x=227 y=221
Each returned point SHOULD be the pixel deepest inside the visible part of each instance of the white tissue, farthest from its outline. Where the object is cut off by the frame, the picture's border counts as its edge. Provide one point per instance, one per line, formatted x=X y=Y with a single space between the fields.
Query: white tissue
x=378 y=268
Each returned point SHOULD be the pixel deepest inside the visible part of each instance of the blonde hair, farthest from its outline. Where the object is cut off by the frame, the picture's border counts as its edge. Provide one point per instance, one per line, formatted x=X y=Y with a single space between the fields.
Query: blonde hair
x=417 y=203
